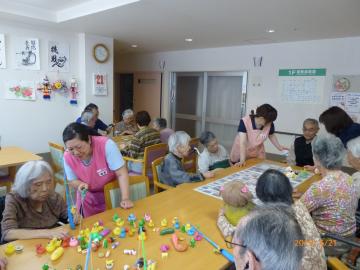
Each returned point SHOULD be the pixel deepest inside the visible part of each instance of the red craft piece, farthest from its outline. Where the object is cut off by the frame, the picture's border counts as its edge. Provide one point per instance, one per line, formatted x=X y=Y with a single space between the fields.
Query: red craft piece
x=40 y=249
x=65 y=242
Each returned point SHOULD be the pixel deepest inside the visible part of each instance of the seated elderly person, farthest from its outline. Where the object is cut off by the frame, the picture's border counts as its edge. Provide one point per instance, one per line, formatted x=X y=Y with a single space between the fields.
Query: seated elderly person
x=332 y=201
x=353 y=157
x=33 y=209
x=160 y=124
x=172 y=171
x=214 y=155
x=266 y=239
x=128 y=125
x=274 y=187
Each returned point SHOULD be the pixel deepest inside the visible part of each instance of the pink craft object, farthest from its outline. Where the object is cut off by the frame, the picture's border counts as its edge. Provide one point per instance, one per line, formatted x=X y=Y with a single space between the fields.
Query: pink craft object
x=164 y=248
x=245 y=189
x=73 y=242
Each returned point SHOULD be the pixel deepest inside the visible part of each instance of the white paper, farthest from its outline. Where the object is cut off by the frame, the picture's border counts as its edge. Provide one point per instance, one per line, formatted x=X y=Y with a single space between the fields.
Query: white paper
x=59 y=56
x=2 y=51
x=27 y=53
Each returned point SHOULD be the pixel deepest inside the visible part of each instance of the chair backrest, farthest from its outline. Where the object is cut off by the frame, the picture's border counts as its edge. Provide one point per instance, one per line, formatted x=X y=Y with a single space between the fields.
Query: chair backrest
x=151 y=153
x=57 y=156
x=139 y=189
x=155 y=166
x=190 y=162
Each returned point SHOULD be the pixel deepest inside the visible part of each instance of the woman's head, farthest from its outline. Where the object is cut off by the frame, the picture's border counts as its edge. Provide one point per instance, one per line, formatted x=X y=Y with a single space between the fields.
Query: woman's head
x=273 y=186
x=76 y=138
x=128 y=116
x=353 y=153
x=236 y=194
x=34 y=180
x=265 y=113
x=179 y=143
x=94 y=108
x=143 y=118
x=328 y=151
x=335 y=120
x=209 y=140
x=159 y=124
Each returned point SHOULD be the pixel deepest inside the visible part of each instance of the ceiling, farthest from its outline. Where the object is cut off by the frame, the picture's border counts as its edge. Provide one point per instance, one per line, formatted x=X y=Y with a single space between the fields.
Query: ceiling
x=162 y=25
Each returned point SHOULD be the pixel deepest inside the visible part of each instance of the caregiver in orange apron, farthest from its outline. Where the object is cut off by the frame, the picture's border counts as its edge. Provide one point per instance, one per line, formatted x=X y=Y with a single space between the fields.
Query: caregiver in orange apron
x=253 y=130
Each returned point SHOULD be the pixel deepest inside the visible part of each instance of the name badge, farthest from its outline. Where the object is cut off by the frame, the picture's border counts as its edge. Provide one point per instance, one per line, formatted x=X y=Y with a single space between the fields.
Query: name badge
x=102 y=172
x=263 y=136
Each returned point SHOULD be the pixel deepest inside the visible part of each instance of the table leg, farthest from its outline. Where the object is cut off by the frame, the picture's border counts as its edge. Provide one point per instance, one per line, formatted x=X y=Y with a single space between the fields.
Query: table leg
x=12 y=172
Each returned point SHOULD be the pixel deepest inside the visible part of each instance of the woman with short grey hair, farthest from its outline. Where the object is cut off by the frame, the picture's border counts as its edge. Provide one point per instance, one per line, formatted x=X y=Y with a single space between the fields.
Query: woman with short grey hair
x=214 y=155
x=332 y=201
x=33 y=209
x=172 y=171
x=128 y=125
x=353 y=157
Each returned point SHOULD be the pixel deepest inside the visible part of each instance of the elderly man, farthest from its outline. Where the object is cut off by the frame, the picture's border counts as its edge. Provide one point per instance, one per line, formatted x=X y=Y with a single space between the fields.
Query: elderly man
x=128 y=125
x=266 y=239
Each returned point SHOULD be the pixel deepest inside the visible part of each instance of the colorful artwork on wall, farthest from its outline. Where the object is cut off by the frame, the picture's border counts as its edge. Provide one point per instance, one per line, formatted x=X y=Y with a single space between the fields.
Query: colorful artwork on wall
x=20 y=90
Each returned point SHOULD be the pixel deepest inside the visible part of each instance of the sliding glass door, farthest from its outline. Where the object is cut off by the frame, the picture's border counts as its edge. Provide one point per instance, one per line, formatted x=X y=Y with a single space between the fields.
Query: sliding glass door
x=213 y=101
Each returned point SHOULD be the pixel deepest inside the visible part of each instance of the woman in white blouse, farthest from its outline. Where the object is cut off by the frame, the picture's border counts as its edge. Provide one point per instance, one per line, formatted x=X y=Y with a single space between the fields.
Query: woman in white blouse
x=214 y=155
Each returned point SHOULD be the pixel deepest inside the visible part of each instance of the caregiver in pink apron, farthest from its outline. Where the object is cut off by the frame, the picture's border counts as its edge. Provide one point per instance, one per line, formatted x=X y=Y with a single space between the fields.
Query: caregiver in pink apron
x=90 y=162
x=253 y=130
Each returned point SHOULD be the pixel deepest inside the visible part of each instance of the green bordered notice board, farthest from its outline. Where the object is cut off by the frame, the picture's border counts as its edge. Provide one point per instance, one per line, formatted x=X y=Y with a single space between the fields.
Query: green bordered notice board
x=302 y=86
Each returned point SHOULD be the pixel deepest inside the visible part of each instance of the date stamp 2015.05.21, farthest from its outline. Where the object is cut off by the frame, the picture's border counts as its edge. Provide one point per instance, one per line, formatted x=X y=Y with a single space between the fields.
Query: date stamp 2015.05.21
x=315 y=242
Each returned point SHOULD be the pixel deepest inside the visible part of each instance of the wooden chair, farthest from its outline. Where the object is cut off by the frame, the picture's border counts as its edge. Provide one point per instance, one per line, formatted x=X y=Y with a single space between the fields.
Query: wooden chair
x=190 y=162
x=335 y=264
x=155 y=169
x=151 y=153
x=139 y=189
x=57 y=163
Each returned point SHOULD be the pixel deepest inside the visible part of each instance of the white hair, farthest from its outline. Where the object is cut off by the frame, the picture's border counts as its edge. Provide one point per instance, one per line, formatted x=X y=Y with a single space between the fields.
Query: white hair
x=127 y=113
x=27 y=174
x=354 y=147
x=328 y=150
x=86 y=117
x=179 y=138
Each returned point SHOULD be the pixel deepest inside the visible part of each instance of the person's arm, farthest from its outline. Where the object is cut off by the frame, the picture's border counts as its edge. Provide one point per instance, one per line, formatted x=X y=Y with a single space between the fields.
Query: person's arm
x=123 y=178
x=243 y=146
x=203 y=162
x=275 y=142
x=133 y=148
x=116 y=163
x=291 y=158
x=101 y=125
x=312 y=197
x=72 y=178
x=3 y=263
x=178 y=175
x=224 y=225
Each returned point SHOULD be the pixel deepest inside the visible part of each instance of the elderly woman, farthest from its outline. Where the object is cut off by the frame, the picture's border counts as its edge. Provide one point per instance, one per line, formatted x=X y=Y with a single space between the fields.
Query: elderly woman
x=128 y=125
x=214 y=155
x=266 y=239
x=160 y=124
x=172 y=172
x=33 y=209
x=332 y=201
x=353 y=157
x=274 y=187
x=90 y=162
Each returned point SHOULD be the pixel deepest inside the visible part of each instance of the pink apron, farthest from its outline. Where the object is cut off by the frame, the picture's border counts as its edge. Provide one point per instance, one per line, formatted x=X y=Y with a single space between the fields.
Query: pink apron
x=96 y=175
x=255 y=141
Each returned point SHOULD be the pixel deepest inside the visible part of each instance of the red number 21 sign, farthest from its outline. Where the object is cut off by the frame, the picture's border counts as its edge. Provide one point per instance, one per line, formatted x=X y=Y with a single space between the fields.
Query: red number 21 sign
x=100 y=84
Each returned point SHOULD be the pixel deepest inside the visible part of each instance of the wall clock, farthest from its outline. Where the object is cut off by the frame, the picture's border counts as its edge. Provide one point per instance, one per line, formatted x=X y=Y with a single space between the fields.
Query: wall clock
x=101 y=53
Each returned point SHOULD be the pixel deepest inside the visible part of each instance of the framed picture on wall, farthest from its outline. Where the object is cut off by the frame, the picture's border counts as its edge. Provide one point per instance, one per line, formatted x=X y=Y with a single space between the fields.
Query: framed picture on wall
x=100 y=84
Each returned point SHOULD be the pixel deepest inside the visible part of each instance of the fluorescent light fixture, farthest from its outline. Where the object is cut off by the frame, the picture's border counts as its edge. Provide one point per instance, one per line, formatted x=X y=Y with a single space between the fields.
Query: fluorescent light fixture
x=270 y=30
x=188 y=39
x=134 y=46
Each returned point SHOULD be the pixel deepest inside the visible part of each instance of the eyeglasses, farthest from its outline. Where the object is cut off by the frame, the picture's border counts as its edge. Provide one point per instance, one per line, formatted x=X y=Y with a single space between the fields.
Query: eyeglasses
x=230 y=244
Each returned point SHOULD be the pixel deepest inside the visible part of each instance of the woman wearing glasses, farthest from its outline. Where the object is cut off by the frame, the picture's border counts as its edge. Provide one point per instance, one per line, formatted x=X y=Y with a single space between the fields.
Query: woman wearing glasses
x=90 y=162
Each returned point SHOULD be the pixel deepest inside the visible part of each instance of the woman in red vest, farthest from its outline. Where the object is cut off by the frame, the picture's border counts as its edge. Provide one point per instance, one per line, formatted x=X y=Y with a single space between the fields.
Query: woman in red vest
x=90 y=162
x=253 y=130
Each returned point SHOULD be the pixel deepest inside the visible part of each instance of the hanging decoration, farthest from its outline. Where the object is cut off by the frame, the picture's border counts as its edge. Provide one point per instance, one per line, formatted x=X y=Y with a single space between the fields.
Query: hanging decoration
x=73 y=91
x=60 y=87
x=45 y=87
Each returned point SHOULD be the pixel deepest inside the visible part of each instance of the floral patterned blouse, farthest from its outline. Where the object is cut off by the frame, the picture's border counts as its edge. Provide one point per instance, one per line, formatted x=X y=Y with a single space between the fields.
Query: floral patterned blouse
x=332 y=203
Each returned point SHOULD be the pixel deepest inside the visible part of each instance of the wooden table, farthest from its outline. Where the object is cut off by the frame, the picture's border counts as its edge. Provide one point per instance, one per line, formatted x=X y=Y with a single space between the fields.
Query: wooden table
x=12 y=156
x=182 y=202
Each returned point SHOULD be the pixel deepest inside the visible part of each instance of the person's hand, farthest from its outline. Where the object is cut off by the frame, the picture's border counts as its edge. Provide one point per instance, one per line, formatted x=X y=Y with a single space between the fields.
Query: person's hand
x=83 y=186
x=309 y=168
x=122 y=146
x=284 y=148
x=209 y=174
x=296 y=194
x=126 y=204
x=58 y=232
x=241 y=163
x=3 y=263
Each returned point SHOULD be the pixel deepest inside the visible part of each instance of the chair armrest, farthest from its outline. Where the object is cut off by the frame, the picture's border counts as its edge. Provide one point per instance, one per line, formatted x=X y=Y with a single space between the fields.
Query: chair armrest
x=335 y=264
x=163 y=186
x=133 y=159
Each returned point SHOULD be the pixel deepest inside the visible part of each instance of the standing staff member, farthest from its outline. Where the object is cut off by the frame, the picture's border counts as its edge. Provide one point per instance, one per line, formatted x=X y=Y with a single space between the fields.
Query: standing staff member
x=253 y=130
x=90 y=162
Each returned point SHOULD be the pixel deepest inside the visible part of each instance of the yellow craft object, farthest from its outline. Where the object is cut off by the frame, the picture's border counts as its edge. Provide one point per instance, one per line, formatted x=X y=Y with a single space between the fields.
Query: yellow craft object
x=58 y=85
x=152 y=266
x=73 y=210
x=120 y=222
x=57 y=253
x=116 y=231
x=53 y=244
x=10 y=249
x=163 y=222
x=151 y=223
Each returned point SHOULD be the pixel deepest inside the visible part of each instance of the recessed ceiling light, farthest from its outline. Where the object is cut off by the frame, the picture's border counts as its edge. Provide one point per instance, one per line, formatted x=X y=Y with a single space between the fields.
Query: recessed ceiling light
x=134 y=46
x=270 y=30
x=188 y=39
